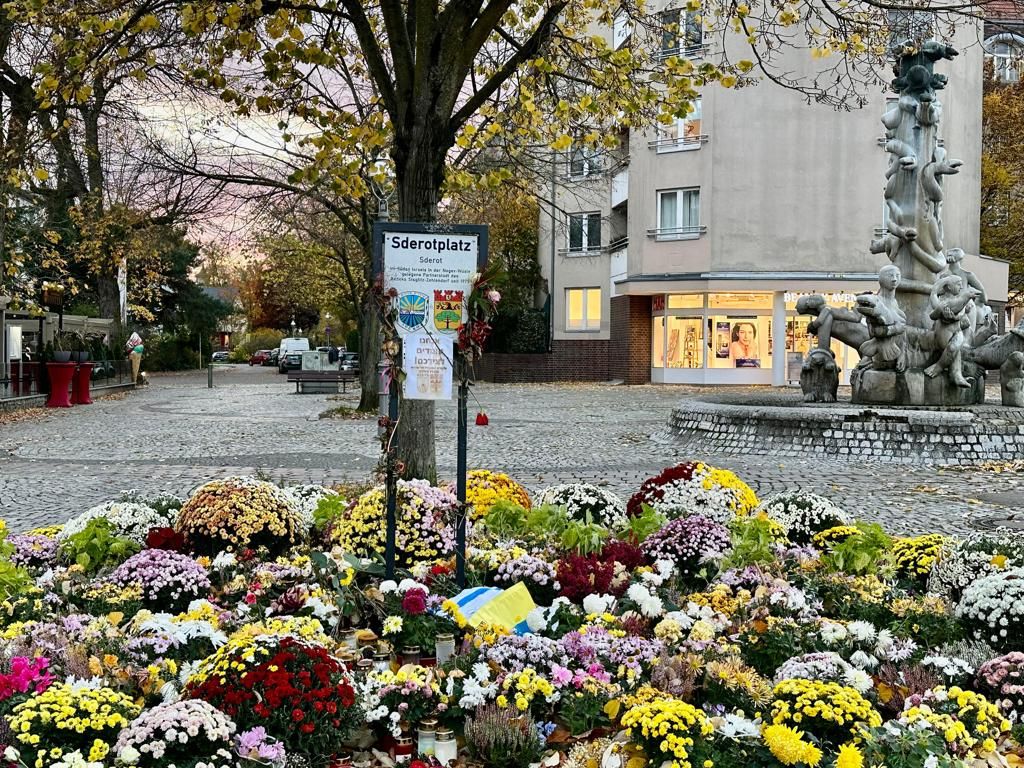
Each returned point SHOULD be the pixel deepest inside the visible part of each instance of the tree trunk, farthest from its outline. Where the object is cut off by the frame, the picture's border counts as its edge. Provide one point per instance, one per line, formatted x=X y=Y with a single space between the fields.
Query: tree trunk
x=369 y=352
x=109 y=297
x=419 y=169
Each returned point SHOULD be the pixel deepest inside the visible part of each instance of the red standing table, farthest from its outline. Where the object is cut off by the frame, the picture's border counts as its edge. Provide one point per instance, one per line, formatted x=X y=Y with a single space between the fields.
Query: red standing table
x=80 y=385
x=60 y=380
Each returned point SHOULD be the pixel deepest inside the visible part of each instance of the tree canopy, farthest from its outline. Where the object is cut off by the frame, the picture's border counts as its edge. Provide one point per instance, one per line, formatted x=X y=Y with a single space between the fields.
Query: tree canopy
x=1002 y=179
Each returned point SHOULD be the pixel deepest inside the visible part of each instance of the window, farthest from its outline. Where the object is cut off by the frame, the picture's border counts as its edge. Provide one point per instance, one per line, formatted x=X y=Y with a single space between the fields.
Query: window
x=741 y=300
x=686 y=301
x=582 y=309
x=583 y=161
x=684 y=133
x=678 y=214
x=621 y=29
x=584 y=232
x=685 y=345
x=682 y=33
x=1006 y=52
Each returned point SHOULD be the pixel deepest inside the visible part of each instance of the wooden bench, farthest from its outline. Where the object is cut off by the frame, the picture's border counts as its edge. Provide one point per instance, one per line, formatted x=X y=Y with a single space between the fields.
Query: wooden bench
x=301 y=378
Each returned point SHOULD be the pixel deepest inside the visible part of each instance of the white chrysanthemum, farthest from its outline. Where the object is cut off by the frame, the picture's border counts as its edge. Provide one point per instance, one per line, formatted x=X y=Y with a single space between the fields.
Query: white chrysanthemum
x=581 y=499
x=803 y=514
x=128 y=519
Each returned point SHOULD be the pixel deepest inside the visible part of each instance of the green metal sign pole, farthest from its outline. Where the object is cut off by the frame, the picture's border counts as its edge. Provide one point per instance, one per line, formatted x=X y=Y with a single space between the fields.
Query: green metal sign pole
x=460 y=480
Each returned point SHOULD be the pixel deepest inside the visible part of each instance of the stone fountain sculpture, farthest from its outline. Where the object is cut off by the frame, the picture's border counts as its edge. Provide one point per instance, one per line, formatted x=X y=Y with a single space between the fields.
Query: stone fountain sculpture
x=927 y=336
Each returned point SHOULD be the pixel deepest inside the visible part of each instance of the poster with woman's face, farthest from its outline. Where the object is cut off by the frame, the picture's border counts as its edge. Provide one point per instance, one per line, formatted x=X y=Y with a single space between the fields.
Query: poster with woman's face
x=744 y=349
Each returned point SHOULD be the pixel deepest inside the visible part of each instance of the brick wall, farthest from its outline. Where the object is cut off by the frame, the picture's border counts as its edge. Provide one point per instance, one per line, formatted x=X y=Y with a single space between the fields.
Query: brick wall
x=630 y=345
x=569 y=360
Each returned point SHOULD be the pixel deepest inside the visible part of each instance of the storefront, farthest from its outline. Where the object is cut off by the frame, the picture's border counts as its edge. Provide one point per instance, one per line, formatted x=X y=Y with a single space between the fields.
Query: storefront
x=735 y=338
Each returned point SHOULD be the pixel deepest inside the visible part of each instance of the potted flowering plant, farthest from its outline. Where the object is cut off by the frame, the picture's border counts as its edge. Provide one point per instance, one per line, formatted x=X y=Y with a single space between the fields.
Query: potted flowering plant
x=296 y=690
x=413 y=620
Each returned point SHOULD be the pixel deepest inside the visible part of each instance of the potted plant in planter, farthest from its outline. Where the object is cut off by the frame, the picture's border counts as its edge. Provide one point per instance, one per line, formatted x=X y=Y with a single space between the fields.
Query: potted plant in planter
x=80 y=348
x=62 y=347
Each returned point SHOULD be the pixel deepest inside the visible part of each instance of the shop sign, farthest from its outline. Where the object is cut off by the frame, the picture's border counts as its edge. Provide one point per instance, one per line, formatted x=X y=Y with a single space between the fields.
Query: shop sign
x=658 y=302
x=832 y=298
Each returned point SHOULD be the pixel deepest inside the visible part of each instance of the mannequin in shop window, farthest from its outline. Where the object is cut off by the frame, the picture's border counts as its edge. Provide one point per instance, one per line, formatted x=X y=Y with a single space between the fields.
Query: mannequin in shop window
x=743 y=350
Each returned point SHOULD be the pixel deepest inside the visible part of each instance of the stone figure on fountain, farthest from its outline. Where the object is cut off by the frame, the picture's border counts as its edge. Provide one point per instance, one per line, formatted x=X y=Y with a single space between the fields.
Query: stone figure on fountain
x=928 y=335
x=887 y=324
x=950 y=300
x=1011 y=380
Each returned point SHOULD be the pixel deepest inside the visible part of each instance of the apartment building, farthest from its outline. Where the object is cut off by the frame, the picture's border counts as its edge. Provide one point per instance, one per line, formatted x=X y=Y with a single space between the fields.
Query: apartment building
x=680 y=259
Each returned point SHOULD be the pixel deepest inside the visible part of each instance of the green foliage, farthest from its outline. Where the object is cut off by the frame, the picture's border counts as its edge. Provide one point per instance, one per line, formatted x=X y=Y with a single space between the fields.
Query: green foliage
x=329 y=509
x=13 y=580
x=96 y=547
x=861 y=553
x=506 y=519
x=520 y=331
x=584 y=538
x=582 y=711
x=173 y=352
x=905 y=747
x=261 y=338
x=643 y=525
x=751 y=542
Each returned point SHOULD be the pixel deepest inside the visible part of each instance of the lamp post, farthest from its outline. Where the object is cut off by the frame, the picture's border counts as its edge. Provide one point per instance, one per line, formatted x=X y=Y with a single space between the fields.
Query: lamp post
x=327 y=327
x=293 y=325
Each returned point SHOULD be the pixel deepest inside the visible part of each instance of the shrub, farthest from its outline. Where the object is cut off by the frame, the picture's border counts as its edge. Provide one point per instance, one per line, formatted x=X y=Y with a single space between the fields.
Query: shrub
x=178 y=733
x=296 y=690
x=803 y=514
x=169 y=581
x=240 y=513
x=425 y=516
x=97 y=546
x=66 y=718
x=694 y=488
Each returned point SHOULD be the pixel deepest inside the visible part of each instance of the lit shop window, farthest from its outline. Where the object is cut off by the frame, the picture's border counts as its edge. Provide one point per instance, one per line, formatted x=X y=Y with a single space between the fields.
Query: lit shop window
x=685 y=342
x=686 y=301
x=658 y=342
x=583 y=309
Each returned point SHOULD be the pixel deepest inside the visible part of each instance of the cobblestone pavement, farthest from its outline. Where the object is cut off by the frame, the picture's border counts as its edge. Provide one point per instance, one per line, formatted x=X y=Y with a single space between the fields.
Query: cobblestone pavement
x=176 y=434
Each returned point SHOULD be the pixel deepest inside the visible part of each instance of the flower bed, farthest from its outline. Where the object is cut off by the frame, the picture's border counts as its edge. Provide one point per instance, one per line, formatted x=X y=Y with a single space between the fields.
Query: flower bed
x=697 y=628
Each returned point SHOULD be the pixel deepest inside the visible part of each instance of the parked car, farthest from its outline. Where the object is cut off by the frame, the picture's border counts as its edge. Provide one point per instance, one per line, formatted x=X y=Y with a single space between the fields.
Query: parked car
x=220 y=356
x=103 y=369
x=259 y=357
x=349 y=362
x=289 y=357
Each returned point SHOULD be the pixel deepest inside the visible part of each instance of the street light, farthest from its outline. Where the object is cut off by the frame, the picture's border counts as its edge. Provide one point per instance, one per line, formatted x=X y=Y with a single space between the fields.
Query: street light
x=293 y=325
x=327 y=327
x=382 y=184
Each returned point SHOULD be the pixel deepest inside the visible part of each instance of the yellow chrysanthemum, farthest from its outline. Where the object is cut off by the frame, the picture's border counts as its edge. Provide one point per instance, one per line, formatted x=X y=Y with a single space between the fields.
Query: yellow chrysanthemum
x=849 y=757
x=788 y=746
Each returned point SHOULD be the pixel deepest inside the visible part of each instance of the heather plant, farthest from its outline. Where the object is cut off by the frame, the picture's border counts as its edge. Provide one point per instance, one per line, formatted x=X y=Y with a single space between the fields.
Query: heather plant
x=499 y=737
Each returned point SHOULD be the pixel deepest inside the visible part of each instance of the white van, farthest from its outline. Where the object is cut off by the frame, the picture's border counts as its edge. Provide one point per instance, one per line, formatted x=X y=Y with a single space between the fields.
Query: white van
x=289 y=353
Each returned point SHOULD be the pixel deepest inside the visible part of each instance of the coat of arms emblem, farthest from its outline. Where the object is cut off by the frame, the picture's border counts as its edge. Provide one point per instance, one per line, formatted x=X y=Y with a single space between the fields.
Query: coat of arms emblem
x=412 y=310
x=448 y=310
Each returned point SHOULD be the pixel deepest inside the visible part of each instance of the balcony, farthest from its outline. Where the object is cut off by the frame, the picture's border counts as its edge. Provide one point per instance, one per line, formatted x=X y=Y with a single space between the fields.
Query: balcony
x=620 y=185
x=678 y=144
x=683 y=52
x=677 y=233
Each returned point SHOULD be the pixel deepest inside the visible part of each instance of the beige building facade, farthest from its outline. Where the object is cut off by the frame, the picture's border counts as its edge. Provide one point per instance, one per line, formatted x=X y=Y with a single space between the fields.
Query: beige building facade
x=690 y=247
